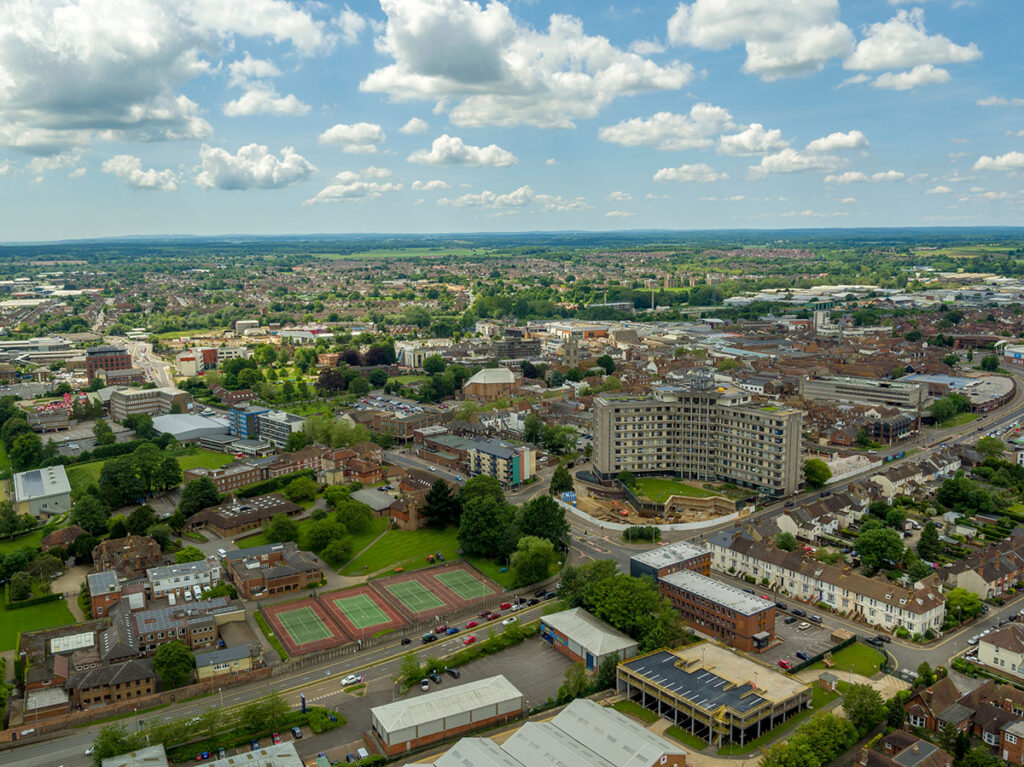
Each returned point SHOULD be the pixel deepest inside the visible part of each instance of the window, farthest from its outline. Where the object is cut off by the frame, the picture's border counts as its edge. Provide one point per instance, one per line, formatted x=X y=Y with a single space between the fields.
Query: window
x=916 y=721
x=1010 y=738
x=991 y=738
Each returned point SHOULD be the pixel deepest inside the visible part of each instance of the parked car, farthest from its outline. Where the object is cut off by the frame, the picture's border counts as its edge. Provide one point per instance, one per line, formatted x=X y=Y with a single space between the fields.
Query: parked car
x=790 y=620
x=202 y=756
x=406 y=640
x=222 y=752
x=472 y=625
x=454 y=673
x=483 y=613
x=815 y=618
x=532 y=601
x=276 y=738
x=350 y=758
x=973 y=640
x=750 y=591
x=88 y=751
x=799 y=612
x=296 y=732
x=428 y=638
x=254 y=745
x=452 y=630
x=540 y=593
x=509 y=621
x=504 y=605
x=470 y=639
x=550 y=595
x=804 y=625
x=884 y=638
x=783 y=663
x=434 y=677
x=424 y=684
x=802 y=655
x=493 y=616
x=441 y=629
x=780 y=606
x=351 y=679
x=875 y=641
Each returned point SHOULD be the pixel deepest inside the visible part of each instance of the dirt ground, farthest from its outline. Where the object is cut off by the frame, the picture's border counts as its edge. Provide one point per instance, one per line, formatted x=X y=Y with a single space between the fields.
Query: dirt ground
x=70 y=584
x=609 y=511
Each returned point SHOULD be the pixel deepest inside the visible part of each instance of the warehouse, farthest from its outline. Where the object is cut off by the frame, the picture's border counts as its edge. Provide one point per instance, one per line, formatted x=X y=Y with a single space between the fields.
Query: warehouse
x=43 y=493
x=189 y=428
x=714 y=693
x=444 y=713
x=582 y=637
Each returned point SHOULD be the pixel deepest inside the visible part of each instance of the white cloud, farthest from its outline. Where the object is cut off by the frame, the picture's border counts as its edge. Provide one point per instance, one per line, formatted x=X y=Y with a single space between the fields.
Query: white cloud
x=521 y=198
x=783 y=38
x=62 y=161
x=6 y=169
x=129 y=169
x=902 y=43
x=415 y=125
x=619 y=196
x=925 y=74
x=855 y=80
x=753 y=139
x=551 y=161
x=75 y=70
x=502 y=72
x=354 y=138
x=351 y=25
x=855 y=176
x=1008 y=161
x=793 y=161
x=999 y=101
x=243 y=71
x=264 y=100
x=670 y=131
x=252 y=166
x=429 y=186
x=699 y=173
x=850 y=140
x=619 y=214
x=353 y=186
x=646 y=47
x=940 y=189
x=451 y=150
x=848 y=200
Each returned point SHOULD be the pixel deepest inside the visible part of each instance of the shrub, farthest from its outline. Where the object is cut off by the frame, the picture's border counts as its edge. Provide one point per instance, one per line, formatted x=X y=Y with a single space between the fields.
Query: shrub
x=320 y=723
x=902 y=633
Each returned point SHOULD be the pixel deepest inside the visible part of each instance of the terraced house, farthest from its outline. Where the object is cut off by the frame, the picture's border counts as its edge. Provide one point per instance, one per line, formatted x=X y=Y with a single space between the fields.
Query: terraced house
x=873 y=601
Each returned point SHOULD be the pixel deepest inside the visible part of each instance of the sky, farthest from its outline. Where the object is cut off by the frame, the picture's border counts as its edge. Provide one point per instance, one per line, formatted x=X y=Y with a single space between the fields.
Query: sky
x=136 y=117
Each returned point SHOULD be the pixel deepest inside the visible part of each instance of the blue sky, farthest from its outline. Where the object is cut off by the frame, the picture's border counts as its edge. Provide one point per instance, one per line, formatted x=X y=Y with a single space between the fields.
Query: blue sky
x=265 y=116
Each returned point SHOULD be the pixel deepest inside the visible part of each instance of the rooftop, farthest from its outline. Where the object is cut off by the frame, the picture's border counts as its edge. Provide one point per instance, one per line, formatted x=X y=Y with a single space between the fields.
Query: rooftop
x=153 y=756
x=41 y=483
x=669 y=555
x=717 y=592
x=592 y=633
x=445 y=702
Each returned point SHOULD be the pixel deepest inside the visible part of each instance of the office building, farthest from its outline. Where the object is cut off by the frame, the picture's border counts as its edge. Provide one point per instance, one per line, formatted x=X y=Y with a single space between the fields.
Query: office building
x=106 y=359
x=702 y=432
x=659 y=562
x=276 y=426
x=42 y=492
x=511 y=465
x=864 y=391
x=126 y=402
x=243 y=421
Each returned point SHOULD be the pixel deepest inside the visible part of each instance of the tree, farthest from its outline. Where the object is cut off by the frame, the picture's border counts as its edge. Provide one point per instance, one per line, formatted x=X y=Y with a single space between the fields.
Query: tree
x=173 y=663
x=533 y=427
x=263 y=714
x=440 y=507
x=359 y=386
x=300 y=489
x=561 y=481
x=89 y=514
x=296 y=441
x=928 y=546
x=558 y=439
x=26 y=452
x=119 y=484
x=140 y=520
x=925 y=674
x=356 y=517
x=606 y=362
x=576 y=684
x=990 y=362
x=951 y=360
x=481 y=486
x=532 y=560
x=21 y=586
x=483 y=524
x=410 y=670
x=141 y=424
x=816 y=472
x=864 y=707
x=542 y=517
x=321 y=533
x=115 y=740
x=188 y=554
x=786 y=541
x=879 y=546
x=338 y=551
x=980 y=756
x=607 y=671
x=169 y=474
x=103 y=433
x=117 y=526
x=895 y=714
x=378 y=378
x=81 y=548
x=162 y=535
x=963 y=605
x=280 y=528
x=627 y=478
x=990 y=447
x=433 y=364
x=197 y=495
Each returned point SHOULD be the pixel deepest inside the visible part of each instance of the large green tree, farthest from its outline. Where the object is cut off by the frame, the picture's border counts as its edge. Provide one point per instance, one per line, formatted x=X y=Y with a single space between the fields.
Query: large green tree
x=173 y=663
x=561 y=481
x=483 y=525
x=115 y=740
x=532 y=560
x=188 y=554
x=962 y=605
x=280 y=528
x=990 y=447
x=816 y=472
x=440 y=507
x=879 y=546
x=864 y=707
x=26 y=452
x=89 y=514
x=197 y=495
x=544 y=518
x=141 y=519
x=119 y=482
x=928 y=545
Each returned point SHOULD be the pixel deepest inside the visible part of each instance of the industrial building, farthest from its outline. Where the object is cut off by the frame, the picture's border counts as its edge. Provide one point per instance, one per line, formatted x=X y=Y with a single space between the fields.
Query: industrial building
x=42 y=492
x=582 y=637
x=189 y=428
x=166 y=399
x=446 y=712
x=712 y=692
x=701 y=431
x=661 y=561
x=864 y=391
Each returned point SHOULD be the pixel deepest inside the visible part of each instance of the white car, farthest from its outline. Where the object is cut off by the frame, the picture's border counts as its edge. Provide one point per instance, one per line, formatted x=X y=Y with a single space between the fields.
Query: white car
x=89 y=751
x=509 y=621
x=351 y=679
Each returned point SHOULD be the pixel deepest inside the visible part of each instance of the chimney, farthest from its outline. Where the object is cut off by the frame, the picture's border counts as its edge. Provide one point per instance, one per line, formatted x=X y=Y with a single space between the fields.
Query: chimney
x=928 y=696
x=916 y=748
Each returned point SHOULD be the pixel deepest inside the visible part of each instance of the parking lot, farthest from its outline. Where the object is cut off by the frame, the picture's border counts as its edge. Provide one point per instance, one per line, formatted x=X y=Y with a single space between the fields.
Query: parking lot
x=813 y=640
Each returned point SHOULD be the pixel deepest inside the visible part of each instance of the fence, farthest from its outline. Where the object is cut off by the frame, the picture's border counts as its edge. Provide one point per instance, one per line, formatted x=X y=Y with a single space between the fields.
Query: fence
x=620 y=526
x=820 y=656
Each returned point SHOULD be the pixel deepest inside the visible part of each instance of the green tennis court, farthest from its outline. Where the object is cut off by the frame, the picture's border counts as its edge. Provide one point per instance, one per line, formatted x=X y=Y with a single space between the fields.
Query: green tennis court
x=304 y=625
x=464 y=584
x=414 y=596
x=362 y=611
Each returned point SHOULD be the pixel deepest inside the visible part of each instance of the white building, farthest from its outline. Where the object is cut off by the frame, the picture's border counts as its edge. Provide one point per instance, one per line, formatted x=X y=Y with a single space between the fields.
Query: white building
x=1004 y=650
x=582 y=637
x=175 y=579
x=276 y=426
x=42 y=492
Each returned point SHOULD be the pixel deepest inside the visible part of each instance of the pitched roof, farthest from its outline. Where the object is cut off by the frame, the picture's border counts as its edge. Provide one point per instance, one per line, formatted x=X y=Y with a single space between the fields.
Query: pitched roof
x=115 y=673
x=593 y=634
x=1009 y=638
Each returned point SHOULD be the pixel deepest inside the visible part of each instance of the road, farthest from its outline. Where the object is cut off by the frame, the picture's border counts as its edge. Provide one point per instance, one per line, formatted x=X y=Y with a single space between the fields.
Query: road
x=157 y=370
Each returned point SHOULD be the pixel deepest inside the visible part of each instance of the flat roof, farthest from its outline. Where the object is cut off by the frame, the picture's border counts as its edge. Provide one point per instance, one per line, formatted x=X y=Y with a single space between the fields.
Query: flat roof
x=710 y=676
x=717 y=592
x=674 y=553
x=72 y=642
x=281 y=755
x=151 y=756
x=445 y=702
x=592 y=633
x=41 y=483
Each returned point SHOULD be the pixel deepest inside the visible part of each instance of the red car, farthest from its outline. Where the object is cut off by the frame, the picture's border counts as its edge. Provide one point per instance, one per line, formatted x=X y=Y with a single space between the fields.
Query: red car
x=504 y=605
x=441 y=629
x=783 y=663
x=472 y=625
x=492 y=616
x=470 y=639
x=483 y=613
x=277 y=738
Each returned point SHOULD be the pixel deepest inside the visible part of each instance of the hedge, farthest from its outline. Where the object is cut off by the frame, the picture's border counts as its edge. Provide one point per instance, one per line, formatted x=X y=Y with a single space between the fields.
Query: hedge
x=274 y=484
x=33 y=601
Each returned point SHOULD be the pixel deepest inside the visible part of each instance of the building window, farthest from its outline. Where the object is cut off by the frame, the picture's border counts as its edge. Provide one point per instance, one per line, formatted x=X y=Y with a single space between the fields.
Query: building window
x=916 y=721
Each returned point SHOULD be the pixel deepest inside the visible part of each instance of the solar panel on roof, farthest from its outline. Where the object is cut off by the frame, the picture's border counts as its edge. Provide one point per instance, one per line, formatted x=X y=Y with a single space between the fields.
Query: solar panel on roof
x=32 y=481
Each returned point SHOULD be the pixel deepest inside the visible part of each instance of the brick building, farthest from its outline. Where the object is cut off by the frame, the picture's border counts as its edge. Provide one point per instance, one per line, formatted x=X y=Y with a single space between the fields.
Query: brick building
x=227 y=478
x=234 y=517
x=106 y=359
x=129 y=557
x=113 y=683
x=277 y=568
x=658 y=563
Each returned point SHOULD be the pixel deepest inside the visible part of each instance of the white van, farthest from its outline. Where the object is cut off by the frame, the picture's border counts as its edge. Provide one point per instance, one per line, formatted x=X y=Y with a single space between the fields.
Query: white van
x=221 y=553
x=188 y=595
x=171 y=600
x=197 y=590
x=362 y=753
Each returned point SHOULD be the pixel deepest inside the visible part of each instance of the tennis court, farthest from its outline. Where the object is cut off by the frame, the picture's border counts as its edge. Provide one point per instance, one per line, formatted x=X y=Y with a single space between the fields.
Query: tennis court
x=414 y=596
x=303 y=625
x=362 y=611
x=465 y=585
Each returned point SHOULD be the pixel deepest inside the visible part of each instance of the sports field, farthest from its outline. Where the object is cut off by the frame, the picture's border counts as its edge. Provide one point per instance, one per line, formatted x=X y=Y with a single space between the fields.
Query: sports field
x=414 y=596
x=464 y=585
x=303 y=625
x=362 y=611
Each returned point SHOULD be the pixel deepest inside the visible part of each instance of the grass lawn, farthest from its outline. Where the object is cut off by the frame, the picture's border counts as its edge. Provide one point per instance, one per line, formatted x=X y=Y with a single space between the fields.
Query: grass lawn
x=659 y=489
x=406 y=380
x=204 y=459
x=820 y=698
x=861 y=658
x=33 y=618
x=377 y=526
x=404 y=548
x=686 y=738
x=636 y=711
x=492 y=570
x=81 y=475
x=30 y=540
x=5 y=463
x=958 y=420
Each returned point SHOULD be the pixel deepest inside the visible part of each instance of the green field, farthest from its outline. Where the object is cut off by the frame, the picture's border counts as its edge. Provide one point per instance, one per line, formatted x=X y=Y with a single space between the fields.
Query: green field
x=304 y=625
x=359 y=542
x=81 y=475
x=404 y=548
x=362 y=611
x=958 y=420
x=859 y=658
x=28 y=540
x=491 y=569
x=405 y=253
x=414 y=596
x=636 y=711
x=659 y=489
x=406 y=380
x=32 y=618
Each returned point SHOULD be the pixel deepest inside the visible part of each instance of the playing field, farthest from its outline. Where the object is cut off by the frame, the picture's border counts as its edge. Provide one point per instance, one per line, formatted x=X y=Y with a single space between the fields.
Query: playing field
x=414 y=596
x=464 y=584
x=303 y=625
x=362 y=611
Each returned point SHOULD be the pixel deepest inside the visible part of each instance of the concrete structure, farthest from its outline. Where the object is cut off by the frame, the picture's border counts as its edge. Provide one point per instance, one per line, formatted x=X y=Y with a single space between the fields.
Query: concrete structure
x=489 y=384
x=711 y=607
x=582 y=637
x=49 y=419
x=659 y=562
x=864 y=391
x=230 y=660
x=126 y=402
x=42 y=493
x=1003 y=650
x=276 y=426
x=174 y=579
x=447 y=712
x=106 y=359
x=151 y=756
x=702 y=432
x=716 y=694
x=510 y=464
